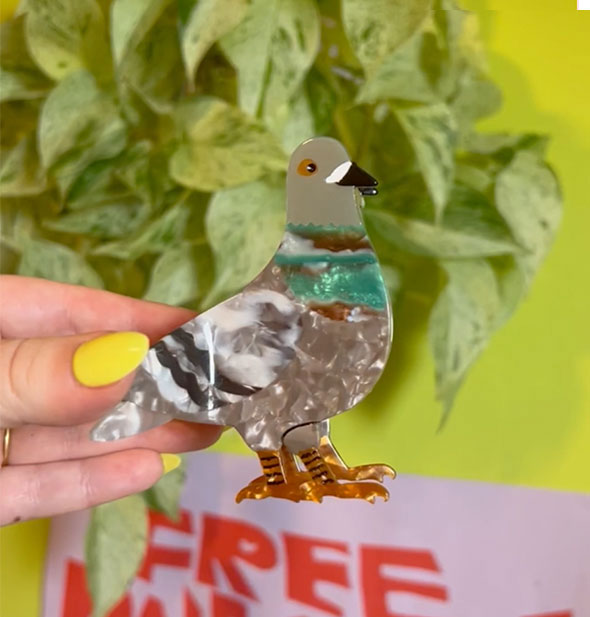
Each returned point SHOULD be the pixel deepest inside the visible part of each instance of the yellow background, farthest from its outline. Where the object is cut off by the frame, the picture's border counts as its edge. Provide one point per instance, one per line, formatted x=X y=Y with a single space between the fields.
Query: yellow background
x=523 y=415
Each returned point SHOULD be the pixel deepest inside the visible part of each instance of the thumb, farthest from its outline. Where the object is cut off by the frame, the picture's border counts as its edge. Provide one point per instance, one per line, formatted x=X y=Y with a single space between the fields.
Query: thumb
x=66 y=380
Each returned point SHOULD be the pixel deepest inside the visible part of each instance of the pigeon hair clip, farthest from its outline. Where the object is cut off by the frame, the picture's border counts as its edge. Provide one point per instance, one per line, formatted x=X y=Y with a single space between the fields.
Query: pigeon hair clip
x=304 y=341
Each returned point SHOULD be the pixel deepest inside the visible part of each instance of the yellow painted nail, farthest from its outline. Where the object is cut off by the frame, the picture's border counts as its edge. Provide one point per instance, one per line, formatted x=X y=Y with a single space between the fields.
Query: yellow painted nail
x=108 y=358
x=170 y=462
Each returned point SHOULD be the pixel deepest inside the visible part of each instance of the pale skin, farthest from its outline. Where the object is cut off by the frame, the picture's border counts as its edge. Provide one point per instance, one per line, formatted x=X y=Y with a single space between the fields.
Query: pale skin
x=52 y=465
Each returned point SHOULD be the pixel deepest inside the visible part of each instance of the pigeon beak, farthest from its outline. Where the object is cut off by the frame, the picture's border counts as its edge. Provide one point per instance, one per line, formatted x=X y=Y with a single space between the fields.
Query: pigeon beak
x=355 y=176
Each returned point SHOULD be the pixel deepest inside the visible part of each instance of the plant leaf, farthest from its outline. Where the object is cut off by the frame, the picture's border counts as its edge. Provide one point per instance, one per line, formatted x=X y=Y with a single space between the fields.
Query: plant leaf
x=528 y=197
x=157 y=236
x=244 y=227
x=164 y=496
x=425 y=238
x=400 y=76
x=131 y=20
x=20 y=79
x=56 y=262
x=476 y=98
x=431 y=130
x=293 y=46
x=470 y=226
x=473 y=176
x=66 y=36
x=512 y=285
x=18 y=85
x=300 y=124
x=97 y=185
x=272 y=50
x=500 y=148
x=392 y=279
x=79 y=124
x=376 y=28
x=220 y=147
x=145 y=171
x=248 y=48
x=461 y=323
x=203 y=23
x=153 y=68
x=116 y=541
x=175 y=278
x=455 y=48
x=113 y=220
x=17 y=119
x=322 y=101
x=465 y=31
x=20 y=172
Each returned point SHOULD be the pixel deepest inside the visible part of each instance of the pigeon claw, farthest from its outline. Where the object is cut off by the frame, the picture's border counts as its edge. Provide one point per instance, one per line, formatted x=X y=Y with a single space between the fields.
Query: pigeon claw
x=369 y=491
x=362 y=472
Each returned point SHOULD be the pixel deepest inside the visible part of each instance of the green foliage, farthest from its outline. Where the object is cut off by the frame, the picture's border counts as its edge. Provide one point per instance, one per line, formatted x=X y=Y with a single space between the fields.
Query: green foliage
x=231 y=229
x=203 y=23
x=144 y=145
x=63 y=37
x=165 y=494
x=377 y=28
x=462 y=320
x=115 y=545
x=220 y=146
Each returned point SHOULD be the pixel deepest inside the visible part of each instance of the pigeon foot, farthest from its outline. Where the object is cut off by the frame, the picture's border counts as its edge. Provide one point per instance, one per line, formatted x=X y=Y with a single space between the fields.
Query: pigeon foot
x=342 y=471
x=282 y=479
x=369 y=491
x=260 y=489
x=326 y=468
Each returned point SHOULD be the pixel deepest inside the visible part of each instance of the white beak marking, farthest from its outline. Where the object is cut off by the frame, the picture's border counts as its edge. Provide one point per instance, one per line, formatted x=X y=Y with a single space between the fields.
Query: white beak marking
x=339 y=173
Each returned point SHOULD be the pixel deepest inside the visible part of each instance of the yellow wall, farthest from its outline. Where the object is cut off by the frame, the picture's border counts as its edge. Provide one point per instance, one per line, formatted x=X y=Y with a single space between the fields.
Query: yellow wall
x=523 y=416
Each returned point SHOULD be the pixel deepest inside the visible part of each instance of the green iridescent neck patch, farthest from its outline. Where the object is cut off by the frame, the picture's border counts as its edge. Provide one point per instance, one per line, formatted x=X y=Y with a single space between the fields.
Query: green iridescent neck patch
x=354 y=285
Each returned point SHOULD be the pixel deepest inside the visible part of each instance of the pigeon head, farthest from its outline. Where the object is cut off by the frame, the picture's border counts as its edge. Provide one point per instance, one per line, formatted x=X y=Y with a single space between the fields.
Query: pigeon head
x=324 y=187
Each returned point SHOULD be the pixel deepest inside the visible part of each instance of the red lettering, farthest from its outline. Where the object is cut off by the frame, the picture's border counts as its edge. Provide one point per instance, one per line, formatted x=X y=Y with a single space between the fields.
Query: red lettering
x=191 y=608
x=77 y=601
x=153 y=608
x=222 y=606
x=304 y=570
x=166 y=556
x=376 y=586
x=558 y=614
x=225 y=542
x=123 y=609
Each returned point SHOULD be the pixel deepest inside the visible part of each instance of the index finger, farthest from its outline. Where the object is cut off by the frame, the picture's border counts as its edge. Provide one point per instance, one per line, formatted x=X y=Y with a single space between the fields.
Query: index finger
x=38 y=308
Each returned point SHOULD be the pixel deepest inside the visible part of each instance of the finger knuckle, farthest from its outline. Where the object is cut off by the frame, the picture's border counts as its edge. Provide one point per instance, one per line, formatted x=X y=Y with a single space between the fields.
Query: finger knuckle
x=32 y=489
x=86 y=484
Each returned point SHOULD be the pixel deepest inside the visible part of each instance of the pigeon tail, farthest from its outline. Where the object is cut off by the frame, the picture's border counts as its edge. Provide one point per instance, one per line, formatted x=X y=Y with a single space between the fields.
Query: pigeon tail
x=126 y=420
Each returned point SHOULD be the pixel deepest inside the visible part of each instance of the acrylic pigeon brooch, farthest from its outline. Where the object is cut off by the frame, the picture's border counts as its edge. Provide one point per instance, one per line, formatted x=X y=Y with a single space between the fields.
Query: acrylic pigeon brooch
x=305 y=341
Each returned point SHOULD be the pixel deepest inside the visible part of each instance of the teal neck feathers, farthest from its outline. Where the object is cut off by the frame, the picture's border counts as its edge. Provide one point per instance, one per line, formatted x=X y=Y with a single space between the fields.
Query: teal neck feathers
x=331 y=264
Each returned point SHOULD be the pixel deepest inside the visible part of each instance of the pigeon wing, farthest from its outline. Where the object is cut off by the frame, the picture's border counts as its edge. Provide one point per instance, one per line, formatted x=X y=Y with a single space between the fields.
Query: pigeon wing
x=230 y=352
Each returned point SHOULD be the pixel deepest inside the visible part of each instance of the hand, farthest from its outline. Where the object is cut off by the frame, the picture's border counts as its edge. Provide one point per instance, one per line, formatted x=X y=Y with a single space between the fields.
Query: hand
x=58 y=375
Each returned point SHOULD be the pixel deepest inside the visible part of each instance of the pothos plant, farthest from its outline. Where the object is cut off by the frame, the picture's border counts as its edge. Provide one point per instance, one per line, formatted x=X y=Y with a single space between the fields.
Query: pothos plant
x=145 y=142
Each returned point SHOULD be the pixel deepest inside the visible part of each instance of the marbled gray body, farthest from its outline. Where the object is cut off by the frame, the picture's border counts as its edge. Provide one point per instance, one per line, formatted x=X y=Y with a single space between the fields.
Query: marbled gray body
x=314 y=367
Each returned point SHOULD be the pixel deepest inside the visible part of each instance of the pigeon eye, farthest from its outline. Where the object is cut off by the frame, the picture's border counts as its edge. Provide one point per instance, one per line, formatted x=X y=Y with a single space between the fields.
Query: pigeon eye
x=307 y=168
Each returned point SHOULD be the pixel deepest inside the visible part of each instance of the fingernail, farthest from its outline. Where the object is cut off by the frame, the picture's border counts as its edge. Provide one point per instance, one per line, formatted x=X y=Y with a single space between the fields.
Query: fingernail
x=108 y=358
x=170 y=462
